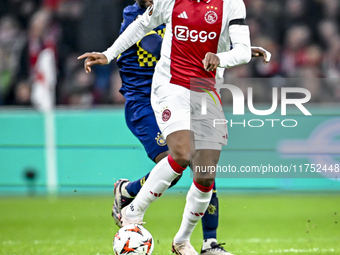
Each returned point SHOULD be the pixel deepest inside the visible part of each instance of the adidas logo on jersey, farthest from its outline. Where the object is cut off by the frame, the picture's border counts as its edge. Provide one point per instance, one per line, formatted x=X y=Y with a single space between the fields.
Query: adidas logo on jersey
x=183 y=15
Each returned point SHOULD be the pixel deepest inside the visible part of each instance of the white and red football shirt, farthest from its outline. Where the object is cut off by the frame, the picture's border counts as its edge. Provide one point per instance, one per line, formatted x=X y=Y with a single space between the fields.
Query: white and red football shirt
x=193 y=28
x=196 y=29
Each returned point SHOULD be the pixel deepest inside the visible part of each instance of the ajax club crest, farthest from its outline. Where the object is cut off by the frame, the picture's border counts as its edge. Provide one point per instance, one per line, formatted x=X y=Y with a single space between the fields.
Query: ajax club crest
x=166 y=114
x=211 y=16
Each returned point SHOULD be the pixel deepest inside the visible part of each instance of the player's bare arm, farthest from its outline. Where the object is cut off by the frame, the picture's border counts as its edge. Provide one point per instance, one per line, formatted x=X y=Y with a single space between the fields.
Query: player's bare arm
x=93 y=59
x=261 y=52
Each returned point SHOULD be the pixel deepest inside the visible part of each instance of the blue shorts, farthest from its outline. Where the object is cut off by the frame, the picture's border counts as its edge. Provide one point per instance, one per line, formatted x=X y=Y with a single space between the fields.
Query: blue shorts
x=141 y=121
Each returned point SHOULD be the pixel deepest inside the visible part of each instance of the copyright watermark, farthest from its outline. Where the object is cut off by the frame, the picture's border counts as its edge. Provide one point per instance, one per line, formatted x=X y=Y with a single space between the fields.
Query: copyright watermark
x=270 y=170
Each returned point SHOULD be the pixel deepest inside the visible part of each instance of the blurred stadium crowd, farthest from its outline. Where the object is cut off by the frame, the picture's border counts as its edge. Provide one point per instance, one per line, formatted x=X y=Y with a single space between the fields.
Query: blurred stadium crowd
x=302 y=35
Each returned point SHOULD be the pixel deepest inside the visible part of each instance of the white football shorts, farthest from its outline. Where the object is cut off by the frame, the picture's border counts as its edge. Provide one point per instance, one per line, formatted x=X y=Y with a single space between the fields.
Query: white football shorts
x=177 y=108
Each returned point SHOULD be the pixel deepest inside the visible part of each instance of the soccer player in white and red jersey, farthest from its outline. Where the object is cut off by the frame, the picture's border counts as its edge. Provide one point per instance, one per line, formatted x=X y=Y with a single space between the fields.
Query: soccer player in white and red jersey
x=196 y=45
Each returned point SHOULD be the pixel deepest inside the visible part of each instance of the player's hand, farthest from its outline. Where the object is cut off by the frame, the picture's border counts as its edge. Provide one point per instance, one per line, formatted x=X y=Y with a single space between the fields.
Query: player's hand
x=260 y=52
x=210 y=62
x=93 y=58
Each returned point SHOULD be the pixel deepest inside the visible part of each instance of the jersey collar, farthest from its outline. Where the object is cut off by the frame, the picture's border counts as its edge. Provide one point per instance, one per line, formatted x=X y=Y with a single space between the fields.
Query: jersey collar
x=206 y=1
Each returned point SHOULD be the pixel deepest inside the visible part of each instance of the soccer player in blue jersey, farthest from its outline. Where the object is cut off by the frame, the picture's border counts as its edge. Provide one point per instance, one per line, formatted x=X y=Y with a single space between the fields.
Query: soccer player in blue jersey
x=137 y=66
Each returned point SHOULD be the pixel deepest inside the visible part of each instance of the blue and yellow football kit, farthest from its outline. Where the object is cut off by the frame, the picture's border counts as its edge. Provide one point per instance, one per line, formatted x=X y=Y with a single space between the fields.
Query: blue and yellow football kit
x=137 y=65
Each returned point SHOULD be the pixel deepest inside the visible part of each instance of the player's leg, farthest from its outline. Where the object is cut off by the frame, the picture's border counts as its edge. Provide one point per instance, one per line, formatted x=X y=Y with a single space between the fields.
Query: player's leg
x=199 y=195
x=140 y=119
x=182 y=150
x=129 y=189
x=125 y=191
x=208 y=141
x=179 y=143
x=210 y=224
x=210 y=218
x=171 y=105
x=133 y=187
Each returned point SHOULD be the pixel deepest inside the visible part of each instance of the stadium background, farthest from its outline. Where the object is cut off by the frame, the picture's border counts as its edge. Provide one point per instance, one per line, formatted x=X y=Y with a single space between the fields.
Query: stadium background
x=93 y=146
x=93 y=143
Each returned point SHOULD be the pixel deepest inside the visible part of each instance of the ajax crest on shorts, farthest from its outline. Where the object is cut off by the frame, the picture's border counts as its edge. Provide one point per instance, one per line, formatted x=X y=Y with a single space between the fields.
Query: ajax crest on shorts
x=166 y=114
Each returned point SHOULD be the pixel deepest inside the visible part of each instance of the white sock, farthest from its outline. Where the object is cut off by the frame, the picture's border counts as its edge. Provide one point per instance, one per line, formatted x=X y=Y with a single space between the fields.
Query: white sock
x=197 y=203
x=158 y=181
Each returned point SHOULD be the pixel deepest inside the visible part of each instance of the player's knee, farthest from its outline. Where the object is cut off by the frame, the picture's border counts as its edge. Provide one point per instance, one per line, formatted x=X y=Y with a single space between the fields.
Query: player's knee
x=182 y=147
x=182 y=155
x=205 y=182
x=182 y=158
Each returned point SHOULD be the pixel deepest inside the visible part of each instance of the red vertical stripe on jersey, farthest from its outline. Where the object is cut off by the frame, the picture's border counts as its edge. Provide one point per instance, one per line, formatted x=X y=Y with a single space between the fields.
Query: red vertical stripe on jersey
x=196 y=28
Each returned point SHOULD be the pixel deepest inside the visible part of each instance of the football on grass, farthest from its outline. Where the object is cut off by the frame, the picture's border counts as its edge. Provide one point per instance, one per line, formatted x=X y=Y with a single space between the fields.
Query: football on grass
x=133 y=239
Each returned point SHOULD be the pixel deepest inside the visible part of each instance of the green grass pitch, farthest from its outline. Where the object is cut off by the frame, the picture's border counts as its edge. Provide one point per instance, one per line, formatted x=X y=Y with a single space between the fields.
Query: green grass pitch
x=249 y=224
